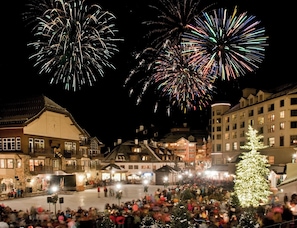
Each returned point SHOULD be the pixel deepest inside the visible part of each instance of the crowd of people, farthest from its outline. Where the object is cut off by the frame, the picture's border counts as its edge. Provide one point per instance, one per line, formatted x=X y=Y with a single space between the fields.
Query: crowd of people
x=208 y=204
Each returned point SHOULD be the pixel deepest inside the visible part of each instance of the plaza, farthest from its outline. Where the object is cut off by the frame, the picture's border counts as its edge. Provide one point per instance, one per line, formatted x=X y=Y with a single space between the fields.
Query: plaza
x=84 y=199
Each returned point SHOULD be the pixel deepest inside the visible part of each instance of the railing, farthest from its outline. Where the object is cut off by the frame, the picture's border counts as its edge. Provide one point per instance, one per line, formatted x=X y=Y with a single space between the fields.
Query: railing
x=41 y=170
x=74 y=168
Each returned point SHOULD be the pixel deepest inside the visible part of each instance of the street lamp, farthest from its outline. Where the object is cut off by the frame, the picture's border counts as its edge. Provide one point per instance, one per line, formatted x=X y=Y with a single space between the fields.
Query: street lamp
x=119 y=193
x=180 y=177
x=165 y=181
x=145 y=187
x=54 y=198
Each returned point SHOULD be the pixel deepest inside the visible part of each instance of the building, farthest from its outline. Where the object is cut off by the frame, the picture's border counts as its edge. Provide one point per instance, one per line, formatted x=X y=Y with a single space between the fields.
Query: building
x=137 y=161
x=193 y=146
x=273 y=113
x=39 y=139
x=182 y=149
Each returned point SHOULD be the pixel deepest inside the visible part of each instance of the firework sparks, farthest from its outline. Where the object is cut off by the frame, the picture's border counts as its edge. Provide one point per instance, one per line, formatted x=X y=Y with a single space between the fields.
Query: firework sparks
x=225 y=45
x=172 y=18
x=74 y=42
x=176 y=81
x=179 y=82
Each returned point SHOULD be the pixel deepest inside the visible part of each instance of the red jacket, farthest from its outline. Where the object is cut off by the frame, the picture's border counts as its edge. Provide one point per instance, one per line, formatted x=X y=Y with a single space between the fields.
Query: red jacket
x=113 y=218
x=120 y=219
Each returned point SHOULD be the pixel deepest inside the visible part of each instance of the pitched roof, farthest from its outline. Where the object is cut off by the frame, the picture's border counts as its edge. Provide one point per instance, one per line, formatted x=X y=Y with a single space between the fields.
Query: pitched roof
x=285 y=89
x=111 y=166
x=166 y=169
x=125 y=150
x=21 y=111
x=190 y=135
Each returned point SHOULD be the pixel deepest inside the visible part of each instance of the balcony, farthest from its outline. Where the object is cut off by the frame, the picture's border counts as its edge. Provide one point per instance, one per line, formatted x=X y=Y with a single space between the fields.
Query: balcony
x=41 y=152
x=74 y=168
x=40 y=169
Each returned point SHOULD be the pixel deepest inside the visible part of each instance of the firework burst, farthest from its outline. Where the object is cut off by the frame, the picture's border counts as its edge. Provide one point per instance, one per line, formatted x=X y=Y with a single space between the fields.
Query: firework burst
x=74 y=42
x=228 y=46
x=176 y=81
x=172 y=18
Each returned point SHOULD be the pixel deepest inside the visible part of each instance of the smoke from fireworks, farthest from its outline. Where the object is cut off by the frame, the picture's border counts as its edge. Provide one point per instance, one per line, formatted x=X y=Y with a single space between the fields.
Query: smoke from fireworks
x=74 y=42
x=225 y=45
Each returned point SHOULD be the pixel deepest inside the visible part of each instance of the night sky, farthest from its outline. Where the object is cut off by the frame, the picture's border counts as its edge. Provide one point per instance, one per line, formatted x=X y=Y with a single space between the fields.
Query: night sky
x=105 y=110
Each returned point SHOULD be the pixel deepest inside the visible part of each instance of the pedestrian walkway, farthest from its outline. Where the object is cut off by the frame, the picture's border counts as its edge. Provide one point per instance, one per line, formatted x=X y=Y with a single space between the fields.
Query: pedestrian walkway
x=85 y=199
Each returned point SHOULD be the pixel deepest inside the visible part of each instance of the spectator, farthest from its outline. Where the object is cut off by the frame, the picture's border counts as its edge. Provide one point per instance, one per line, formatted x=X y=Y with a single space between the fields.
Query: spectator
x=105 y=191
x=98 y=190
x=3 y=223
x=113 y=218
x=120 y=220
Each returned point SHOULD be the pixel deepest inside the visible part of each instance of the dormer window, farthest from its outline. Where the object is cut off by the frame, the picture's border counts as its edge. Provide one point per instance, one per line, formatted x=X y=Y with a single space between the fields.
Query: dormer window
x=136 y=149
x=144 y=158
x=251 y=101
x=242 y=102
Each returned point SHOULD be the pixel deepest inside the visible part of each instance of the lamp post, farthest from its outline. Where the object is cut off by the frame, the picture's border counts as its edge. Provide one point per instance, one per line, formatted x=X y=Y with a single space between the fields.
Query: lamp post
x=165 y=181
x=145 y=187
x=54 y=198
x=180 y=177
x=119 y=193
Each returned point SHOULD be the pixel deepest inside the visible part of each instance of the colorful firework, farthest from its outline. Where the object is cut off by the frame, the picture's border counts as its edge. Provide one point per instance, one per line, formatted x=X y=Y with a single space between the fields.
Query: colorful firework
x=225 y=45
x=172 y=18
x=74 y=42
x=176 y=81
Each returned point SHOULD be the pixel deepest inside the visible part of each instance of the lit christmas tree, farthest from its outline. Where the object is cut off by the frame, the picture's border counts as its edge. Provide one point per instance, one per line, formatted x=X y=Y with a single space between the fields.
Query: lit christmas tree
x=251 y=184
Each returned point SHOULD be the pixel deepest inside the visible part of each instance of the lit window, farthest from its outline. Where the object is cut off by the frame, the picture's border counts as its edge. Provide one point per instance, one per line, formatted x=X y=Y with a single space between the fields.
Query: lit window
x=272 y=128
x=227 y=136
x=242 y=115
x=234 y=117
x=271 y=141
x=261 y=120
x=271 y=117
x=235 y=146
x=282 y=114
x=282 y=126
x=234 y=135
x=227 y=146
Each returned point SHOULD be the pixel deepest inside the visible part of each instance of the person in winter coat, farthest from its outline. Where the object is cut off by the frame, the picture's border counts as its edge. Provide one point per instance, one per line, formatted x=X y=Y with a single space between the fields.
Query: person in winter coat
x=120 y=220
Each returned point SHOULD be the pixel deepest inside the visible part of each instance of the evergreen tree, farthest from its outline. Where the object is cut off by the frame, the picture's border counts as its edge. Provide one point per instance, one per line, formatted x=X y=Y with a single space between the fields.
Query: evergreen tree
x=251 y=183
